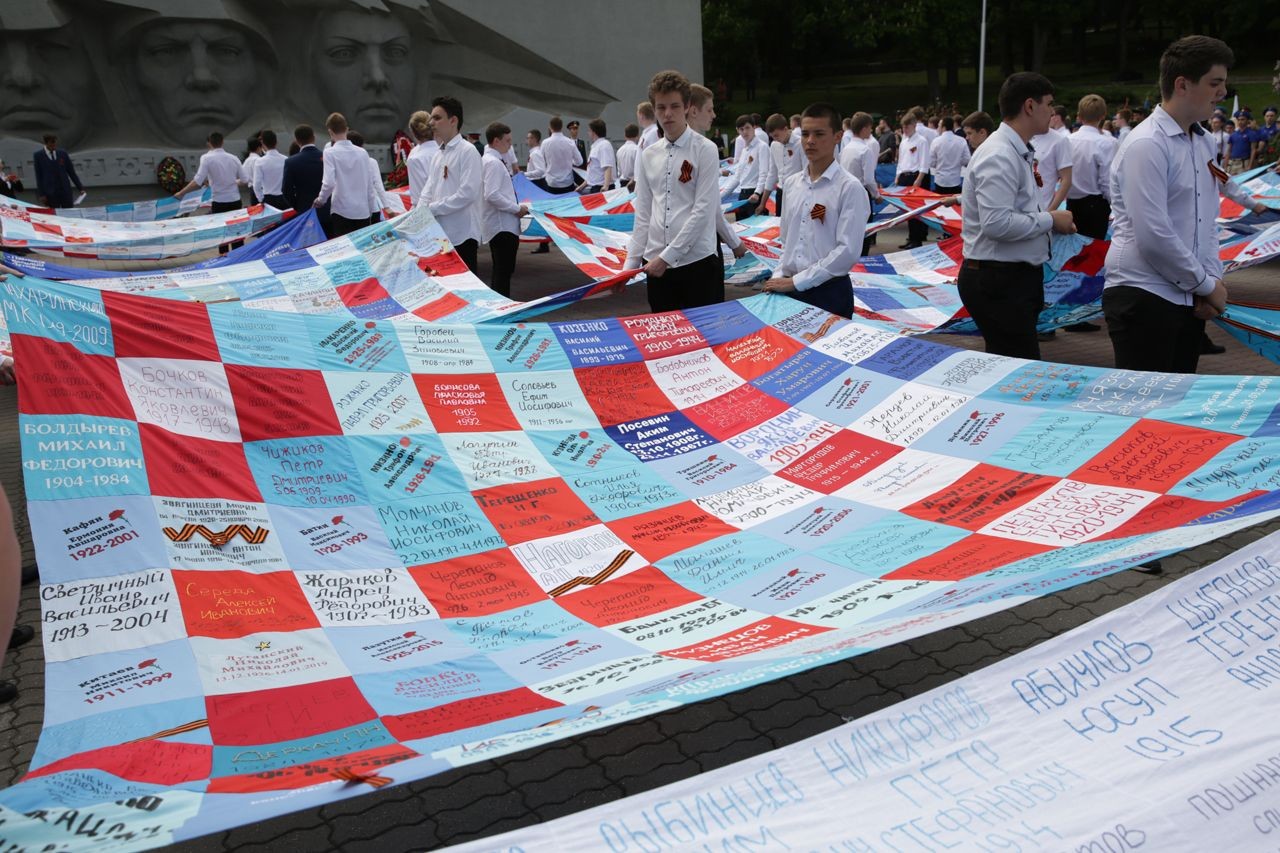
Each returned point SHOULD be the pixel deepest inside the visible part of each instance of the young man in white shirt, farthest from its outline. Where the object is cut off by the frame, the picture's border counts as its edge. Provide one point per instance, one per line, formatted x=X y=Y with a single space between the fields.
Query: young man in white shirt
x=378 y=188
x=699 y=116
x=948 y=155
x=1163 y=270
x=454 y=187
x=346 y=181
x=225 y=175
x=750 y=168
x=859 y=159
x=785 y=159
x=268 y=175
x=1089 y=198
x=1058 y=124
x=1006 y=228
x=500 y=222
x=535 y=165
x=648 y=123
x=825 y=222
x=627 y=154
x=1053 y=166
x=602 y=164
x=1123 y=120
x=251 y=163
x=913 y=171
x=423 y=155
x=677 y=196
x=560 y=156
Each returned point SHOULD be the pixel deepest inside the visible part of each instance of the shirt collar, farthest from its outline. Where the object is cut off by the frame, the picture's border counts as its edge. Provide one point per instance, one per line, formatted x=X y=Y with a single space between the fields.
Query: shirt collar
x=831 y=173
x=1024 y=149
x=1164 y=121
x=1090 y=129
x=682 y=141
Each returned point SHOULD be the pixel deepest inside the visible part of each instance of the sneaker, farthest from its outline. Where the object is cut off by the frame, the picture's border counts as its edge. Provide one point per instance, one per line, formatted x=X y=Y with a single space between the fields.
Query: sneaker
x=22 y=634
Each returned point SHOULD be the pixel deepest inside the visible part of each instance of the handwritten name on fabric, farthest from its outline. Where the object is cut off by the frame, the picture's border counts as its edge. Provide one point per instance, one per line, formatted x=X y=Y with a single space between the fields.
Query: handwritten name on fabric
x=134 y=211
x=1150 y=728
x=278 y=549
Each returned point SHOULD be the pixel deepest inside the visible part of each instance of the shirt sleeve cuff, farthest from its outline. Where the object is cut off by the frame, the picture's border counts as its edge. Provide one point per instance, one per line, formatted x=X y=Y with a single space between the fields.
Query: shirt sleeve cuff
x=671 y=256
x=1044 y=220
x=1205 y=287
x=807 y=279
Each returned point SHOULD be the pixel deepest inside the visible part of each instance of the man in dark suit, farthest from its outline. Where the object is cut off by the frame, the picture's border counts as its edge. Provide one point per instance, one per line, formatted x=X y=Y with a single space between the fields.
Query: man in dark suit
x=578 y=143
x=55 y=174
x=303 y=173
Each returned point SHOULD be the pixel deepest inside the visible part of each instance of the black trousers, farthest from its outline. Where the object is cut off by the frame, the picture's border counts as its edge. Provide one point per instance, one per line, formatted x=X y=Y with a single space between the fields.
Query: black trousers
x=558 y=190
x=340 y=225
x=276 y=201
x=941 y=190
x=868 y=239
x=223 y=207
x=1150 y=333
x=1091 y=214
x=689 y=286
x=917 y=231
x=468 y=250
x=502 y=253
x=1005 y=301
x=834 y=295
x=777 y=203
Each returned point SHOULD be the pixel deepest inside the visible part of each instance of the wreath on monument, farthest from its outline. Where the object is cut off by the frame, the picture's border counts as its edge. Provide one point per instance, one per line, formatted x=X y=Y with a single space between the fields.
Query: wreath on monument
x=398 y=178
x=171 y=175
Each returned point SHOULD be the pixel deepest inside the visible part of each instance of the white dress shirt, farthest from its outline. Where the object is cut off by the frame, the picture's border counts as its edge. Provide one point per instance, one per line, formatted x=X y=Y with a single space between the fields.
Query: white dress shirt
x=819 y=248
x=928 y=133
x=536 y=166
x=648 y=136
x=501 y=210
x=913 y=153
x=1091 y=155
x=846 y=138
x=1063 y=131
x=221 y=170
x=948 y=155
x=859 y=160
x=268 y=174
x=508 y=160
x=561 y=155
x=1052 y=155
x=1165 y=200
x=1123 y=132
x=251 y=164
x=750 y=168
x=762 y=137
x=453 y=191
x=627 y=155
x=380 y=194
x=420 y=160
x=600 y=158
x=1221 y=144
x=1004 y=219
x=676 y=220
x=346 y=181
x=777 y=163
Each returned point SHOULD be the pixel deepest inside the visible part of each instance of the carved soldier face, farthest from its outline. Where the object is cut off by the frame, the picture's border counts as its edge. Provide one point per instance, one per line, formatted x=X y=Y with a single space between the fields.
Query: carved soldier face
x=197 y=77
x=364 y=70
x=46 y=85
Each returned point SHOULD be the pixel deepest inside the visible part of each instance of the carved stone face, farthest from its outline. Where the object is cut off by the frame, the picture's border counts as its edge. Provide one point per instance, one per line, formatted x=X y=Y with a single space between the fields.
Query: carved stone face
x=364 y=70
x=46 y=85
x=196 y=77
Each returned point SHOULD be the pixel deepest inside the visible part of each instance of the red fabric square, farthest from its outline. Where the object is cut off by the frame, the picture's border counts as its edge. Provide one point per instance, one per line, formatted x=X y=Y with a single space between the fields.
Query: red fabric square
x=662 y=532
x=984 y=494
x=622 y=392
x=448 y=304
x=157 y=762
x=1153 y=455
x=839 y=461
x=477 y=584
x=735 y=412
x=754 y=355
x=465 y=402
x=58 y=379
x=467 y=713
x=183 y=466
x=661 y=335
x=524 y=511
x=146 y=327
x=633 y=596
x=286 y=713
x=279 y=402
x=447 y=263
x=749 y=639
x=228 y=604
x=971 y=556
x=357 y=293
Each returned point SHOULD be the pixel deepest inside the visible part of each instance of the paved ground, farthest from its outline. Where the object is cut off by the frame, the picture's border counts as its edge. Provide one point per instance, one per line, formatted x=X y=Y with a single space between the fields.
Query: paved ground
x=581 y=772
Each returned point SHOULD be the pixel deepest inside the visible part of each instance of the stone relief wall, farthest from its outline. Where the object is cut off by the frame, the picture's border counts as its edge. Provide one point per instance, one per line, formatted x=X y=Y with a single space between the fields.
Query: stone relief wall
x=123 y=83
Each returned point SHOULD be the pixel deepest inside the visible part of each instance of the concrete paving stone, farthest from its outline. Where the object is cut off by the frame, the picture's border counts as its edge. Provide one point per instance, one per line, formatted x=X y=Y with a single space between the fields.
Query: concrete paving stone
x=1038 y=608
x=379 y=812
x=828 y=675
x=962 y=655
x=567 y=783
x=822 y=720
x=544 y=763
x=744 y=702
x=393 y=839
x=253 y=839
x=620 y=739
x=336 y=811
x=907 y=673
x=692 y=718
x=1016 y=638
x=589 y=798
x=461 y=789
x=642 y=759
x=481 y=816
x=992 y=623
x=736 y=751
x=716 y=736
x=885 y=658
x=855 y=697
x=664 y=774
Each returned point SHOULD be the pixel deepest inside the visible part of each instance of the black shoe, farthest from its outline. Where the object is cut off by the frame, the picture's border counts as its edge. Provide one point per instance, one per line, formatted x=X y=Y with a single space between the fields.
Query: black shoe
x=906 y=245
x=541 y=250
x=1082 y=327
x=8 y=692
x=1208 y=347
x=912 y=245
x=1046 y=336
x=22 y=634
x=1151 y=568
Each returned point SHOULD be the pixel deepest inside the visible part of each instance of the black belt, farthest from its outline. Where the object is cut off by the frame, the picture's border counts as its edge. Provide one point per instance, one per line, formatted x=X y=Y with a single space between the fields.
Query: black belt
x=973 y=264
